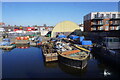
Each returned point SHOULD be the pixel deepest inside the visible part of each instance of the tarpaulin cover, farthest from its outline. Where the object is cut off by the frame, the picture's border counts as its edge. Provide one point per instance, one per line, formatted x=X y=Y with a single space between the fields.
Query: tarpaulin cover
x=86 y=42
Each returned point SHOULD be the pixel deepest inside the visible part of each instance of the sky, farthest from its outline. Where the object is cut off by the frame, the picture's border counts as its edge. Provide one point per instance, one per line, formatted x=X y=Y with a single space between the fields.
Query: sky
x=60 y=0
x=51 y=13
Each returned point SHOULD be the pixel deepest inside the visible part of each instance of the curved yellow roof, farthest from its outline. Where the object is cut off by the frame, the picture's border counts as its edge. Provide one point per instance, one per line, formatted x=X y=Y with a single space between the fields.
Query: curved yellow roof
x=65 y=26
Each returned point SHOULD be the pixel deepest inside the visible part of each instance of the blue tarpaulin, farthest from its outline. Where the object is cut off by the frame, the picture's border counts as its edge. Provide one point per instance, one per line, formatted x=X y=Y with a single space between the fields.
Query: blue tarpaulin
x=82 y=38
x=73 y=37
x=61 y=36
x=4 y=43
x=6 y=39
x=86 y=42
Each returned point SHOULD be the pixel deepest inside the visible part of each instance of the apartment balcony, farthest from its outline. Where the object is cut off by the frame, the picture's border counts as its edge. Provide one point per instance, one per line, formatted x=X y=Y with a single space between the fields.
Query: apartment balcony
x=98 y=18
x=97 y=24
x=115 y=24
x=115 y=18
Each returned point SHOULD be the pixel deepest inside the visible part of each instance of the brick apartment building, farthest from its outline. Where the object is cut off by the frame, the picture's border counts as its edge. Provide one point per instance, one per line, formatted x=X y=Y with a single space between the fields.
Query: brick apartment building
x=102 y=21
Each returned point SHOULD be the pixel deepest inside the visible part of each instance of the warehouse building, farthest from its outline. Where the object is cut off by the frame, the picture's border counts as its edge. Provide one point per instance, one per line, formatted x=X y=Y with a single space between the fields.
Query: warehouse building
x=65 y=27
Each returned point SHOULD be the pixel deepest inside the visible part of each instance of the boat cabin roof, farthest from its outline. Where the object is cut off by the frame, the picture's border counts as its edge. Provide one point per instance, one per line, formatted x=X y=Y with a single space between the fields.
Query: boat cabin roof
x=70 y=52
x=111 y=39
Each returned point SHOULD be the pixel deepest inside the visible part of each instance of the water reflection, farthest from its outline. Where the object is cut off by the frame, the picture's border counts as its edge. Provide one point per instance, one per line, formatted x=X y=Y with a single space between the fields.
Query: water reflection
x=108 y=69
x=29 y=63
x=51 y=64
x=72 y=71
x=23 y=46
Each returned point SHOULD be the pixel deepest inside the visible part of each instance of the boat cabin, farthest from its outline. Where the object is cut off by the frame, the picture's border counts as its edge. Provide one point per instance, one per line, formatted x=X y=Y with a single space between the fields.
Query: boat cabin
x=112 y=42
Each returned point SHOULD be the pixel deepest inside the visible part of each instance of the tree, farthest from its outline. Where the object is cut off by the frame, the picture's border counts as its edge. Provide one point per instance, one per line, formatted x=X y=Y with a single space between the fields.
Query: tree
x=45 y=25
x=35 y=25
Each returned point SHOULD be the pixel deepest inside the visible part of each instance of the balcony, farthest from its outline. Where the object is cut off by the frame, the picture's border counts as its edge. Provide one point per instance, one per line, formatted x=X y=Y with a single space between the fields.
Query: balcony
x=115 y=24
x=98 y=18
x=101 y=24
x=115 y=18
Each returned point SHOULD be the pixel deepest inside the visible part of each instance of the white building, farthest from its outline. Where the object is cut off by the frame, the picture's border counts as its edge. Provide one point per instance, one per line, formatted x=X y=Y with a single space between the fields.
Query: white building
x=2 y=29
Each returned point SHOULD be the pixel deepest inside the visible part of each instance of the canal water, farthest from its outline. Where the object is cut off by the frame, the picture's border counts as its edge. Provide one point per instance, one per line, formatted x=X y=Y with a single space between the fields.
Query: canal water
x=29 y=63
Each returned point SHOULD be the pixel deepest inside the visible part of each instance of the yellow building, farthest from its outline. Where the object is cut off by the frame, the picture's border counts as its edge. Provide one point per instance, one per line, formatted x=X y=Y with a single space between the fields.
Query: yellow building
x=66 y=27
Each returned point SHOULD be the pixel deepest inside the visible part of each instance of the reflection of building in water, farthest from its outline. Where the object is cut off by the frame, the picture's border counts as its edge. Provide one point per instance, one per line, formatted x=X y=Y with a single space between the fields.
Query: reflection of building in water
x=73 y=71
x=22 y=46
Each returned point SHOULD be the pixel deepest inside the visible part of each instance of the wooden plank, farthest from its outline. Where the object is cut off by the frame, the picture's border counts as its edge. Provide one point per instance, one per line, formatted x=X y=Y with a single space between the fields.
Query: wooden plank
x=82 y=48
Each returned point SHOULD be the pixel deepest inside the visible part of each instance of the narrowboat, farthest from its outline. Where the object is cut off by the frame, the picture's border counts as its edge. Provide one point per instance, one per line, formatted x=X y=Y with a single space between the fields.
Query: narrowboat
x=109 y=49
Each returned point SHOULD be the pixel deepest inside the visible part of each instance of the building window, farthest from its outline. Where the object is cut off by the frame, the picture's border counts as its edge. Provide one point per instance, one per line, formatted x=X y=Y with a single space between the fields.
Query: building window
x=101 y=22
x=107 y=22
x=115 y=22
x=118 y=28
x=93 y=28
x=112 y=28
x=95 y=15
x=107 y=15
x=113 y=15
x=102 y=15
x=118 y=15
x=101 y=28
x=119 y=22
x=107 y=28
x=95 y=22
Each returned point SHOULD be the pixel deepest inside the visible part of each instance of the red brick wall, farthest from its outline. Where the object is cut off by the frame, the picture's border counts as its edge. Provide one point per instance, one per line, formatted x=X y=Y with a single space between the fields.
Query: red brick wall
x=88 y=25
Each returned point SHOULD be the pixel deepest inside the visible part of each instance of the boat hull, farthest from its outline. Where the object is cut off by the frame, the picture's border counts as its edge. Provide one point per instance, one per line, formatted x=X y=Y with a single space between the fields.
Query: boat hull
x=107 y=55
x=73 y=62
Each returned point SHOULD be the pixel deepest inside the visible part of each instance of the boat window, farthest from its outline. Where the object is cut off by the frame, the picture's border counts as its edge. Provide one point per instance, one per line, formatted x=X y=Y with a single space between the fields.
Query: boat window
x=110 y=40
x=119 y=39
x=104 y=40
x=107 y=40
x=116 y=40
